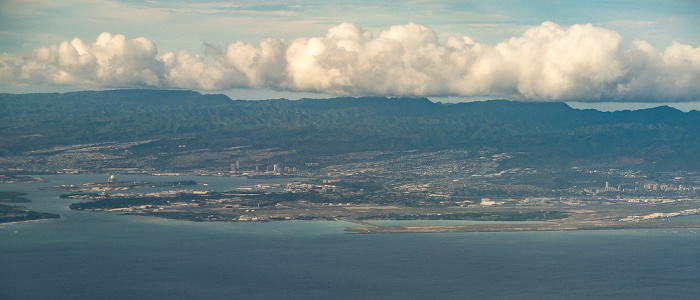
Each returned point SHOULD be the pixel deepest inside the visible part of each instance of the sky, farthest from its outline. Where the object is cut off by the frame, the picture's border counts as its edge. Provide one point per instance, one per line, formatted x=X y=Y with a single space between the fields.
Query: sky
x=637 y=51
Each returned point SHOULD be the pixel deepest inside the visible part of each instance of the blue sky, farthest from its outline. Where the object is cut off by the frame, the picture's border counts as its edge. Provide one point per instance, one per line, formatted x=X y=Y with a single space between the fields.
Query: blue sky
x=202 y=46
x=186 y=25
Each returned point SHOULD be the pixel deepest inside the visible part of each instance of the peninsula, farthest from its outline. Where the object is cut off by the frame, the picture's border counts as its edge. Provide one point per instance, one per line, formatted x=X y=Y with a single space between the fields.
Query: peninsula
x=11 y=214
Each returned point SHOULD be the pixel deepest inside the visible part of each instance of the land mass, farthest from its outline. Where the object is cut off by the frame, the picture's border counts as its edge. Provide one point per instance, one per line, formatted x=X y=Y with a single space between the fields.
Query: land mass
x=19 y=179
x=184 y=131
x=13 y=197
x=11 y=214
x=551 y=226
x=363 y=159
x=101 y=187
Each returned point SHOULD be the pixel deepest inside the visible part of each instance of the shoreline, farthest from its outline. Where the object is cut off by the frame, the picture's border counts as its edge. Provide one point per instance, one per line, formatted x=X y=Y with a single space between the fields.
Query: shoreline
x=26 y=221
x=385 y=229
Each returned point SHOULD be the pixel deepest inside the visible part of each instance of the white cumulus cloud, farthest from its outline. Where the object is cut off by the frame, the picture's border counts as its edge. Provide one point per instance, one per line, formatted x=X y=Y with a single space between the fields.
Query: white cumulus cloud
x=580 y=62
x=548 y=62
x=112 y=61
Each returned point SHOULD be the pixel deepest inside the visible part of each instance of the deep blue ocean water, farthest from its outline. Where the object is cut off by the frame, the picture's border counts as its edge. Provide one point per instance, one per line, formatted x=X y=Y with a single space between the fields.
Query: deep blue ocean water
x=93 y=255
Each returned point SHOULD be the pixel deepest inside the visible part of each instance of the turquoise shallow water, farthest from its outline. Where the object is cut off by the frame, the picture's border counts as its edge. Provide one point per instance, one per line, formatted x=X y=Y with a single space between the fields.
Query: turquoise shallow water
x=87 y=255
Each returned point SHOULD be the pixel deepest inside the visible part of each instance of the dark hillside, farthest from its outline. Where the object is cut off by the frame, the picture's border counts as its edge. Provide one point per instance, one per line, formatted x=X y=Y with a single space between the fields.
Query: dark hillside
x=548 y=133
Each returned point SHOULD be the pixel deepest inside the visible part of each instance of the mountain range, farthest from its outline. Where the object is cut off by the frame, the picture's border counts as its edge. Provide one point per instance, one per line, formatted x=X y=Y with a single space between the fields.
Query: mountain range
x=549 y=134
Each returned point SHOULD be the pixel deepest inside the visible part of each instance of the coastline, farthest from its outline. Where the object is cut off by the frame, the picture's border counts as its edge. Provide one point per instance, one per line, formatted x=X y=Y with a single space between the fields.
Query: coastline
x=26 y=221
x=370 y=228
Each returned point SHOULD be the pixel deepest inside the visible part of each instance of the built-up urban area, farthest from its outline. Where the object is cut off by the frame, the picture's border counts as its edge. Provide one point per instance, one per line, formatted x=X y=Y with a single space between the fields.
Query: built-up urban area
x=361 y=186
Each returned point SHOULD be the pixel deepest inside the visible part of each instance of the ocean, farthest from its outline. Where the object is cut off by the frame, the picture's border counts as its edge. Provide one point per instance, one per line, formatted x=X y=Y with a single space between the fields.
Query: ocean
x=95 y=255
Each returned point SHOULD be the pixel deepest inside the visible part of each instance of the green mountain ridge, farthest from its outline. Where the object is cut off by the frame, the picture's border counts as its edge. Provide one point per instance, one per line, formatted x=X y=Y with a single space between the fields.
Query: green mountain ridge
x=546 y=133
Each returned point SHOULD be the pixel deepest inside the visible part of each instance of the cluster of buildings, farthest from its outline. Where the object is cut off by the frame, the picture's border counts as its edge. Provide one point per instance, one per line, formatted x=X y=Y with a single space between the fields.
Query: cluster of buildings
x=644 y=187
x=659 y=215
x=261 y=169
x=667 y=187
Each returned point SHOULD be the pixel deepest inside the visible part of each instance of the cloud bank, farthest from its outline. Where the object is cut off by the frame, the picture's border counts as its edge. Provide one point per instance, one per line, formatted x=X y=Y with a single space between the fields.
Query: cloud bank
x=546 y=63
